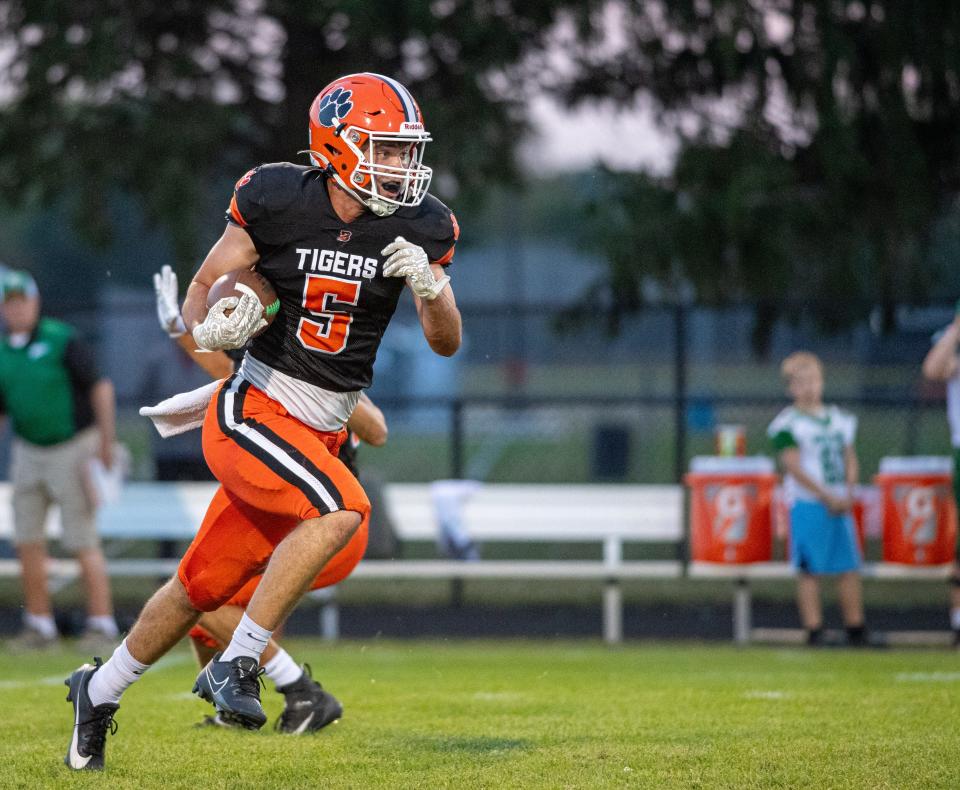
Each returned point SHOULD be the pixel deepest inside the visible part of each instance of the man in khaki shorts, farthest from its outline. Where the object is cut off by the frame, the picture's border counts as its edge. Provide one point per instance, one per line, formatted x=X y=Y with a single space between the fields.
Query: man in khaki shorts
x=63 y=414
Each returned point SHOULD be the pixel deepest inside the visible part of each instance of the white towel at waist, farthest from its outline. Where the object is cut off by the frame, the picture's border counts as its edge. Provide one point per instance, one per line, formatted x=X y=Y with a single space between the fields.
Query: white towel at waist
x=181 y=413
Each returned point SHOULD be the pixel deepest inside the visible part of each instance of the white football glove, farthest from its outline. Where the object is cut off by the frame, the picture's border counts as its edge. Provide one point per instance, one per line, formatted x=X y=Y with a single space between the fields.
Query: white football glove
x=168 y=308
x=219 y=332
x=410 y=261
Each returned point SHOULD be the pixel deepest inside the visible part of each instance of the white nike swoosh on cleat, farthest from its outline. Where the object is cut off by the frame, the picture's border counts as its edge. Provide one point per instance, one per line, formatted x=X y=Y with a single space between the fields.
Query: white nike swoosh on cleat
x=306 y=723
x=216 y=686
x=77 y=761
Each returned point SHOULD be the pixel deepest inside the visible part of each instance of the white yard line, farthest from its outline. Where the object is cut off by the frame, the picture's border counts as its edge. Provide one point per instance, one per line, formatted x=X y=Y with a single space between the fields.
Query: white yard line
x=167 y=662
x=927 y=677
x=758 y=694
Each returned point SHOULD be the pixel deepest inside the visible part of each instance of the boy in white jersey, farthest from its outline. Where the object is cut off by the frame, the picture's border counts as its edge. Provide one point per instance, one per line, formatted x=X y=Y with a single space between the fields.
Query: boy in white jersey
x=942 y=363
x=814 y=443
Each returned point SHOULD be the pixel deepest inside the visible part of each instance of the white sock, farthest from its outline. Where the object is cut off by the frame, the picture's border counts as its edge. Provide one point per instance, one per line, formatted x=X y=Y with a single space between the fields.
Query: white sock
x=282 y=669
x=42 y=623
x=248 y=640
x=103 y=624
x=955 y=619
x=113 y=678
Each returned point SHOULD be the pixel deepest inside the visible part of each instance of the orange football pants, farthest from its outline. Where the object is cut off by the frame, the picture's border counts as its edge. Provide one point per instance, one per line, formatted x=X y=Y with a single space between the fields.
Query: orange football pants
x=275 y=472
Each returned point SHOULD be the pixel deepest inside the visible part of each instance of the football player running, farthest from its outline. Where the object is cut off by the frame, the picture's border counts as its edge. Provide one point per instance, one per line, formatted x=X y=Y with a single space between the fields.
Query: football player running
x=307 y=707
x=338 y=241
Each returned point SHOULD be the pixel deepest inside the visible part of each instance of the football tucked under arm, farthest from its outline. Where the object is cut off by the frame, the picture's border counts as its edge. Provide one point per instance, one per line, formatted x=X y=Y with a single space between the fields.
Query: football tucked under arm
x=220 y=331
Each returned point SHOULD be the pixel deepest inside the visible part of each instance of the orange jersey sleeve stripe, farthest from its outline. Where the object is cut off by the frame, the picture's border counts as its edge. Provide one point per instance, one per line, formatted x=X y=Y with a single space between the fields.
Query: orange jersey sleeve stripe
x=447 y=257
x=235 y=213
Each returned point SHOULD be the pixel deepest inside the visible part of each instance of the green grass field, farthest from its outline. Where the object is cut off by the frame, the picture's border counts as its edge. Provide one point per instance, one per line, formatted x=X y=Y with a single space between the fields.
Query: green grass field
x=525 y=714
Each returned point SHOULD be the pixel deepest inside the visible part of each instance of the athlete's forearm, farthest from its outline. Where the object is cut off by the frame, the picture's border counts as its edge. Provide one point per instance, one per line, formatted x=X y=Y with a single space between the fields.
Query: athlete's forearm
x=234 y=250
x=216 y=363
x=941 y=361
x=195 y=305
x=368 y=423
x=441 y=322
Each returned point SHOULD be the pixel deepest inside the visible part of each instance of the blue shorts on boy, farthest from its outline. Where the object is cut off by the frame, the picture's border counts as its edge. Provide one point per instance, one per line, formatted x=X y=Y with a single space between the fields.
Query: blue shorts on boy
x=822 y=542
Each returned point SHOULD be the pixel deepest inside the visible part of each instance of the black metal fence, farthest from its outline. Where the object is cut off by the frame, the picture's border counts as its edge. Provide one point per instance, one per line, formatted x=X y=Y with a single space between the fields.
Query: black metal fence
x=540 y=393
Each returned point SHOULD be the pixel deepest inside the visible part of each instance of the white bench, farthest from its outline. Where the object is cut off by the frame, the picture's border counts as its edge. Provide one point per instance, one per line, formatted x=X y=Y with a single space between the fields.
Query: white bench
x=609 y=515
x=742 y=575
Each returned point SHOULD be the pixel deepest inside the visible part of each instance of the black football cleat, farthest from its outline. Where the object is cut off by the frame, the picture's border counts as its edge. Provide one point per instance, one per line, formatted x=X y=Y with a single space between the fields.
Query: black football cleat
x=234 y=689
x=307 y=707
x=90 y=723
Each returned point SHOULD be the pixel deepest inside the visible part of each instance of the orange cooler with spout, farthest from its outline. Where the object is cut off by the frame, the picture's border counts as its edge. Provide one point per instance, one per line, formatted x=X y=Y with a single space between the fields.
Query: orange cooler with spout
x=919 y=511
x=731 y=515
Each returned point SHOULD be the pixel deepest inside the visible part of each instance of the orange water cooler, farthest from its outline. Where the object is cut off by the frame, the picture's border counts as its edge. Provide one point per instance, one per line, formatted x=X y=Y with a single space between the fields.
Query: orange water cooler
x=731 y=519
x=919 y=511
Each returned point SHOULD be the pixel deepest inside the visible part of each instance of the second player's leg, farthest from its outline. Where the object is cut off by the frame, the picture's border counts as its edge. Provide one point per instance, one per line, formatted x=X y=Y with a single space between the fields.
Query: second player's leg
x=202 y=651
x=295 y=564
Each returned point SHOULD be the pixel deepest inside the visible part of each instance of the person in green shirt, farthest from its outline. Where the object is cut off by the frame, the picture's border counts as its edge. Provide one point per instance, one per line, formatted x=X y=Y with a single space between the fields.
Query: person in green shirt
x=62 y=413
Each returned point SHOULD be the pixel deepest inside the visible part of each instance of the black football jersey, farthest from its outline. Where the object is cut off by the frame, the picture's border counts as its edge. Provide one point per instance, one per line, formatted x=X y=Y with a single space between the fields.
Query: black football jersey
x=335 y=303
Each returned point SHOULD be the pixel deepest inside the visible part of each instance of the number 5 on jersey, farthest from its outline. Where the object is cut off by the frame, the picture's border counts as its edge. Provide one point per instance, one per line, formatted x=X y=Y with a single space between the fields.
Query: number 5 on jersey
x=329 y=334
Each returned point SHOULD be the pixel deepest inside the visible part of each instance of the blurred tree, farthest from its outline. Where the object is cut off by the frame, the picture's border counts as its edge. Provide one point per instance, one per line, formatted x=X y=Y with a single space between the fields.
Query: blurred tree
x=155 y=100
x=820 y=143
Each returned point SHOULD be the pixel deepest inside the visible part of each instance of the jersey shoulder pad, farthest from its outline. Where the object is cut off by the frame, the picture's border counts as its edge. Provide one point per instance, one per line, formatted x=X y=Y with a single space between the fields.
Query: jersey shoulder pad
x=265 y=193
x=837 y=413
x=434 y=227
x=782 y=422
x=845 y=420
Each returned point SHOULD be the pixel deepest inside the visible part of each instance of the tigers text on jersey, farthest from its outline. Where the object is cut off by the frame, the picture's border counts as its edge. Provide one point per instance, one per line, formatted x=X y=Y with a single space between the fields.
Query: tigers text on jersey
x=821 y=439
x=335 y=303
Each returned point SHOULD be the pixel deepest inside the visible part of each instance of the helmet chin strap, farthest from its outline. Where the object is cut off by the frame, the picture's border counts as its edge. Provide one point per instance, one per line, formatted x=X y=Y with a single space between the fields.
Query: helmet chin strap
x=379 y=207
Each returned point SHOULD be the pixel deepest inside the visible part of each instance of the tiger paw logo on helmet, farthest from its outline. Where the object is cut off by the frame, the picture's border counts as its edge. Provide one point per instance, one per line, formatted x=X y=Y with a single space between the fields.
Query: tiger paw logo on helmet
x=334 y=106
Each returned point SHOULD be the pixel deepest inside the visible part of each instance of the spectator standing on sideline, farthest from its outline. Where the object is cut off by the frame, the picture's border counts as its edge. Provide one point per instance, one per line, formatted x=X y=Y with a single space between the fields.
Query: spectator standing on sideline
x=63 y=414
x=814 y=443
x=941 y=364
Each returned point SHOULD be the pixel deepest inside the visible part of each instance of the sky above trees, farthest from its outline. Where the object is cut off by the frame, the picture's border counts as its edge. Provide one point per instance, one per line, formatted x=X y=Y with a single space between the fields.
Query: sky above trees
x=816 y=143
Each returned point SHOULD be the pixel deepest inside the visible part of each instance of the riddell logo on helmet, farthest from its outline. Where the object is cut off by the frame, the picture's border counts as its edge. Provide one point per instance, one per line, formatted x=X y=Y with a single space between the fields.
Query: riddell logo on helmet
x=411 y=127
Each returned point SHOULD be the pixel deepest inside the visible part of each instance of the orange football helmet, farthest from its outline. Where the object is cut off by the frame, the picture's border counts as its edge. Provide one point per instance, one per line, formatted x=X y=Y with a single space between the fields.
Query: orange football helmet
x=349 y=118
